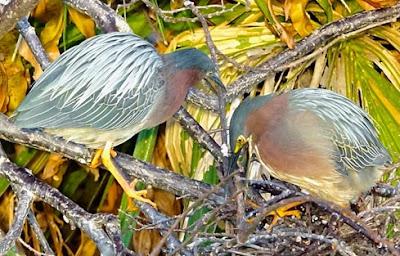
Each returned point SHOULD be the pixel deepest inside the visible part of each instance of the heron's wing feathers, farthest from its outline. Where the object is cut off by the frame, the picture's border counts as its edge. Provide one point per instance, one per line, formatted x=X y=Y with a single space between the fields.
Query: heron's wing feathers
x=105 y=82
x=354 y=137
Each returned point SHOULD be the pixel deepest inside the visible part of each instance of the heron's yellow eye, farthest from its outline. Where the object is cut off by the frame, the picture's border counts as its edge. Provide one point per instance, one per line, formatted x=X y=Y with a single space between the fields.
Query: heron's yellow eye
x=241 y=140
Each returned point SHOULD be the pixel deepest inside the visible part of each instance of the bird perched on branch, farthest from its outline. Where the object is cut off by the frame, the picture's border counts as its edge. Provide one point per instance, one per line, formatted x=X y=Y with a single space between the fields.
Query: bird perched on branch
x=108 y=88
x=313 y=138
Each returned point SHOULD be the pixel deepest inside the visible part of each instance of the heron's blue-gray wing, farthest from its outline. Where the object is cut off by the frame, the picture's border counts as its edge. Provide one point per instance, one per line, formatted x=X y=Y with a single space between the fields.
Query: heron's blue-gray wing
x=351 y=130
x=106 y=82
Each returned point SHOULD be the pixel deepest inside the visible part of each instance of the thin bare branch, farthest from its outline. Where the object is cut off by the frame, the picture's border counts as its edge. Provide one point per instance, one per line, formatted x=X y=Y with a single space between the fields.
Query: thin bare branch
x=37 y=231
x=25 y=199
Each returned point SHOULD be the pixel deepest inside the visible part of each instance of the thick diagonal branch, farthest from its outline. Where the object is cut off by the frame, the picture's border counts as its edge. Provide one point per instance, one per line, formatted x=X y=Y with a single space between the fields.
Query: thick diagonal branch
x=157 y=177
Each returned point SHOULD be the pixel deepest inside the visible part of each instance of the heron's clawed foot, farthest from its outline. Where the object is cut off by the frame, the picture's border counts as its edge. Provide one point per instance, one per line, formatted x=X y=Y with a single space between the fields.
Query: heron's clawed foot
x=129 y=189
x=285 y=211
x=138 y=194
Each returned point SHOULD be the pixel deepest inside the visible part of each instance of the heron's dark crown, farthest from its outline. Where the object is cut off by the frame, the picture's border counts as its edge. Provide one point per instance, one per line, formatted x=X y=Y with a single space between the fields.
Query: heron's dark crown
x=190 y=58
x=240 y=115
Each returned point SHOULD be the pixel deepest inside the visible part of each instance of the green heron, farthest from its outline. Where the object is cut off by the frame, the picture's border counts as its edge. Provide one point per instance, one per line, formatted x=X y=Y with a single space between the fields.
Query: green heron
x=313 y=138
x=107 y=89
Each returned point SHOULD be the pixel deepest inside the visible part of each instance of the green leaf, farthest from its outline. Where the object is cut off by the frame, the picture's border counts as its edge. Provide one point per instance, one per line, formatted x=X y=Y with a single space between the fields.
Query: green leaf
x=262 y=4
x=327 y=6
x=72 y=181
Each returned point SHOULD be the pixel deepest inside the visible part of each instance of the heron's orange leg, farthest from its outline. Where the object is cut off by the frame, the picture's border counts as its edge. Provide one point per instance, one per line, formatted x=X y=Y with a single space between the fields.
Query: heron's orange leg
x=96 y=161
x=121 y=179
x=285 y=211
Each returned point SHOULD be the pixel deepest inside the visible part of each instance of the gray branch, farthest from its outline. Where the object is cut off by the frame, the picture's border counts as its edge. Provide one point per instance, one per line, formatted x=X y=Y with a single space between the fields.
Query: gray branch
x=12 y=12
x=28 y=33
x=105 y=17
x=163 y=224
x=24 y=203
x=37 y=231
x=157 y=177
x=196 y=131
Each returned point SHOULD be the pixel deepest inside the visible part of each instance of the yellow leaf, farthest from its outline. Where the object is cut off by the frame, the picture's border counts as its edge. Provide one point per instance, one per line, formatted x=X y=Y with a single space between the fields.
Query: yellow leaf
x=296 y=9
x=53 y=29
x=53 y=165
x=83 y=22
x=40 y=11
x=51 y=12
x=27 y=54
x=15 y=75
x=112 y=201
x=3 y=89
x=87 y=247
x=375 y=4
x=7 y=204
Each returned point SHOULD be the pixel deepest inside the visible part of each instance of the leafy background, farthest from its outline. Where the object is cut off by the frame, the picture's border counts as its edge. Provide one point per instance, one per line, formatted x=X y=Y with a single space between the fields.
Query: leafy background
x=364 y=67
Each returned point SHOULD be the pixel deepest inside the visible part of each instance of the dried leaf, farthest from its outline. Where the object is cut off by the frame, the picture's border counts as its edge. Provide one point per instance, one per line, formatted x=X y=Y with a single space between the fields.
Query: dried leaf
x=145 y=240
x=111 y=203
x=87 y=247
x=83 y=22
x=7 y=204
x=27 y=54
x=49 y=221
x=53 y=165
x=16 y=78
x=166 y=202
x=51 y=12
x=3 y=89
x=296 y=10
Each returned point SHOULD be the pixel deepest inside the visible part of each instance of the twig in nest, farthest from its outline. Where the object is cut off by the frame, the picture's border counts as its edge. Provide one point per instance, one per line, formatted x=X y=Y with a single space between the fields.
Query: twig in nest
x=344 y=215
x=173 y=244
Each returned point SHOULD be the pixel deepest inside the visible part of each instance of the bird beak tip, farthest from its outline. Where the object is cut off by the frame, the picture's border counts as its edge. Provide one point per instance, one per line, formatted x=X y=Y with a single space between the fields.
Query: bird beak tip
x=216 y=79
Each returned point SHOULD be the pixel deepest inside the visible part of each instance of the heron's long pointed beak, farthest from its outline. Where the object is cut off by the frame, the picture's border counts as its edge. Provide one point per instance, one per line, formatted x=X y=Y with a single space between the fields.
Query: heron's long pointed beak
x=232 y=165
x=214 y=79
